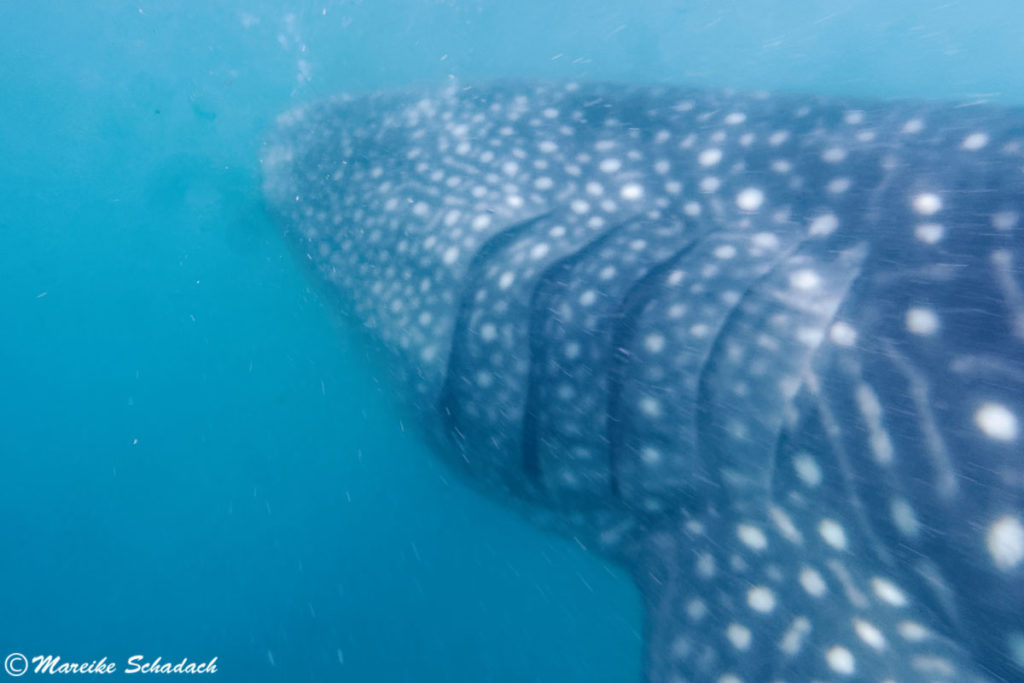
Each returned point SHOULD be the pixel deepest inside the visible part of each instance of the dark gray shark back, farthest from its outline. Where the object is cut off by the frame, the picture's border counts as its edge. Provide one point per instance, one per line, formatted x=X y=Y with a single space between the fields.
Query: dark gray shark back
x=768 y=351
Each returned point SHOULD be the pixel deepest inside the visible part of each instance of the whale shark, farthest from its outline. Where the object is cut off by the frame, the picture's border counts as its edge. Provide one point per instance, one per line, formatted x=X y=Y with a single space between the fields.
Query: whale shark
x=766 y=351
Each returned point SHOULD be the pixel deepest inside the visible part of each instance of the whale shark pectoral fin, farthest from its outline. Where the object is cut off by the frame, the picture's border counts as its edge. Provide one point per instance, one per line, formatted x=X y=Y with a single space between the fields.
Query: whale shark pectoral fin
x=731 y=600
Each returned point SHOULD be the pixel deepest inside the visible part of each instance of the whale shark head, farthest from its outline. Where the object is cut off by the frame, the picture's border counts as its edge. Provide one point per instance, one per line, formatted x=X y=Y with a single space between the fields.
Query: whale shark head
x=767 y=351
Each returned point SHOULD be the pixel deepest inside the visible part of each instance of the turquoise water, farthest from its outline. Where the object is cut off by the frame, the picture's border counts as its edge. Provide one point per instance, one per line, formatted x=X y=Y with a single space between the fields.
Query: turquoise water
x=196 y=461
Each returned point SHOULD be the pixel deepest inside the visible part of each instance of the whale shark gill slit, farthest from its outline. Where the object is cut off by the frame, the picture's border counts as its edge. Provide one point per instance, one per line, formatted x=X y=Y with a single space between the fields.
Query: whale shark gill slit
x=546 y=324
x=592 y=335
x=632 y=306
x=449 y=405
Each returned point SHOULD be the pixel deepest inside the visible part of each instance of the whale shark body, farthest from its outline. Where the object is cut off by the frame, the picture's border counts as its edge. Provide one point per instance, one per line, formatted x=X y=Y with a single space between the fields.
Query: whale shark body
x=766 y=351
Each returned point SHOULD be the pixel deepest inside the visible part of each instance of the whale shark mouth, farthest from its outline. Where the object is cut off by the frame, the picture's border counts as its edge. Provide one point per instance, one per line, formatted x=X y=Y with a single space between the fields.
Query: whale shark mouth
x=767 y=351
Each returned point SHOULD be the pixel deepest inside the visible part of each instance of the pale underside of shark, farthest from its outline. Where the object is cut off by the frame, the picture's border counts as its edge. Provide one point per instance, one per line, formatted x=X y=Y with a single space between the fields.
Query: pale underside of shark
x=767 y=351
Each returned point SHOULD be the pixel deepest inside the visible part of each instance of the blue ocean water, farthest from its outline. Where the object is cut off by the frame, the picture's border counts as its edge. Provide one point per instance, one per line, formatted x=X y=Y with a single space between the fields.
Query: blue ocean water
x=196 y=461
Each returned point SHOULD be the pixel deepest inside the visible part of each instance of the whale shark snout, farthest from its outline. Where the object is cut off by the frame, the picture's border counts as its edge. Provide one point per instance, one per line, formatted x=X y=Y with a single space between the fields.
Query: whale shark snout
x=767 y=351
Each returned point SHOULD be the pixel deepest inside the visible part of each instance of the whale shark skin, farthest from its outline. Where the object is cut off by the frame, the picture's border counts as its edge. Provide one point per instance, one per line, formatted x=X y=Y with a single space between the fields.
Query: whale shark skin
x=765 y=350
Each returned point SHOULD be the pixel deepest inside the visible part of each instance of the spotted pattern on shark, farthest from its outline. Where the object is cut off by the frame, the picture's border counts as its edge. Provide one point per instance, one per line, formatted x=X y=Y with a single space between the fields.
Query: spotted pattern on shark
x=767 y=351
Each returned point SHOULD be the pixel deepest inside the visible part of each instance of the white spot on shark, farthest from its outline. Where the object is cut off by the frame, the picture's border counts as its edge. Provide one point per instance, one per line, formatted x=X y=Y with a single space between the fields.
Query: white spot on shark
x=451 y=255
x=812 y=582
x=752 y=537
x=869 y=633
x=710 y=157
x=997 y=422
x=761 y=599
x=842 y=334
x=750 y=199
x=739 y=635
x=833 y=533
x=888 y=592
x=841 y=660
x=824 y=224
x=632 y=192
x=927 y=203
x=922 y=321
x=1005 y=542
x=974 y=142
